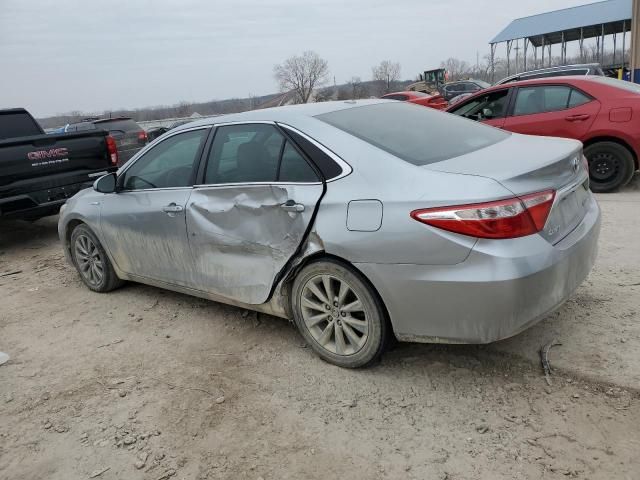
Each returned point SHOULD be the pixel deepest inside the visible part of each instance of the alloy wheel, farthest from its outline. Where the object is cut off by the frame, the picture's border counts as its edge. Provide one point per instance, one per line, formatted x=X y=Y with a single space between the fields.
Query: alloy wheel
x=89 y=260
x=334 y=315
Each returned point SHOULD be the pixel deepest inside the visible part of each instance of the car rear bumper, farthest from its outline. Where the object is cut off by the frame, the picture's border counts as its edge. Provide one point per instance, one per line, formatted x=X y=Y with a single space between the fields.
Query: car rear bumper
x=40 y=203
x=502 y=288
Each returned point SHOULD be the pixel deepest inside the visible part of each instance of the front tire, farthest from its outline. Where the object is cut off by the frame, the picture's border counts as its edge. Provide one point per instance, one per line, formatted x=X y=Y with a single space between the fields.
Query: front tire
x=611 y=166
x=339 y=314
x=91 y=261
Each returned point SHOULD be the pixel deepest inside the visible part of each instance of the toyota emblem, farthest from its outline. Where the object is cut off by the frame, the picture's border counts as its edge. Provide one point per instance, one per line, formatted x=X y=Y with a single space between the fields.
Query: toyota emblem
x=575 y=164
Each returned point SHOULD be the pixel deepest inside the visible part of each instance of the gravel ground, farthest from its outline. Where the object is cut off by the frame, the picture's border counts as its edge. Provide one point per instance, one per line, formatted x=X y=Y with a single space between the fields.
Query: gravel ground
x=147 y=384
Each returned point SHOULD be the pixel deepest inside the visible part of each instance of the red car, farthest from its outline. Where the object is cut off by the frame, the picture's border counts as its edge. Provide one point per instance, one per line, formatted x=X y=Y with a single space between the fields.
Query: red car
x=603 y=113
x=432 y=101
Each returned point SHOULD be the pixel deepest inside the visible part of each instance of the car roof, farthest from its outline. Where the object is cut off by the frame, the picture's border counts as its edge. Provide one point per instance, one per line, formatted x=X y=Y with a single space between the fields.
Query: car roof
x=569 y=79
x=288 y=113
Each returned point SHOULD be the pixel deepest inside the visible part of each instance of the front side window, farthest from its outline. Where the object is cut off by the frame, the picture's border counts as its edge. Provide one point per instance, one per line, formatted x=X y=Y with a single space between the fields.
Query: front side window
x=549 y=98
x=168 y=164
x=255 y=153
x=485 y=107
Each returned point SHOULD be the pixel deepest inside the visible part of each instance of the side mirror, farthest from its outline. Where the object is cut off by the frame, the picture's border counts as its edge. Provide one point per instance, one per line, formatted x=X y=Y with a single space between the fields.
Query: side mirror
x=106 y=183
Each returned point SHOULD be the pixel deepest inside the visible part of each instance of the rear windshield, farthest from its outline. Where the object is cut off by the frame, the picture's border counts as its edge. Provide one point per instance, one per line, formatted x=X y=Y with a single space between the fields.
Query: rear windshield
x=126 y=125
x=614 y=82
x=416 y=134
x=17 y=124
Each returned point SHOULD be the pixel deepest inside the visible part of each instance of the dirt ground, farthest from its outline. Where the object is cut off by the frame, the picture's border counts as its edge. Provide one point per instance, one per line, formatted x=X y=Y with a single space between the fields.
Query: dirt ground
x=147 y=384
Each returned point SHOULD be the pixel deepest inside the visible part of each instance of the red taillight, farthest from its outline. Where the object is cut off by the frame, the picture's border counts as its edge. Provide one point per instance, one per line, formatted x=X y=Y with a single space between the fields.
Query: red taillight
x=510 y=218
x=142 y=136
x=112 y=150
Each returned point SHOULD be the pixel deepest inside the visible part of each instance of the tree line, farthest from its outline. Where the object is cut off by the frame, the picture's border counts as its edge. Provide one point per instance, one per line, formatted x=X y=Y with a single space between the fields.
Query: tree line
x=305 y=78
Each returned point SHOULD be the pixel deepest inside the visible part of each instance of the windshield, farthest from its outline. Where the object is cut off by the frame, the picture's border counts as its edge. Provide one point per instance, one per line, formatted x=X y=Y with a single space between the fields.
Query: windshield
x=416 y=134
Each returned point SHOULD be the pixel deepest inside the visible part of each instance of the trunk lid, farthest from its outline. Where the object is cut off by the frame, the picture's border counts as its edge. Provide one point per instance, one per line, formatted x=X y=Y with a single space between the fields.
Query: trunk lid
x=525 y=164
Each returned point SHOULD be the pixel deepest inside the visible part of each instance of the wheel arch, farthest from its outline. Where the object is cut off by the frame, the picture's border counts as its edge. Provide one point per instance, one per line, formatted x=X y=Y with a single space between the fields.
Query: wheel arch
x=287 y=283
x=619 y=141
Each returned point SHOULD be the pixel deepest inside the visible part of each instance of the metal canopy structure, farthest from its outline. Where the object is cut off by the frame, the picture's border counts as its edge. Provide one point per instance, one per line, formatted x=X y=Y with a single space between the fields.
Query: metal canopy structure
x=594 y=20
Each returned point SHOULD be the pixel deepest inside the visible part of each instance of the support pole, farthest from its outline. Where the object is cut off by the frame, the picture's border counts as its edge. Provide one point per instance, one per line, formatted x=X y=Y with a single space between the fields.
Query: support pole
x=535 y=57
x=602 y=47
x=492 y=55
x=526 y=41
x=581 y=43
x=562 y=50
x=542 y=65
x=614 y=47
x=634 y=75
x=624 y=38
x=508 y=56
x=550 y=54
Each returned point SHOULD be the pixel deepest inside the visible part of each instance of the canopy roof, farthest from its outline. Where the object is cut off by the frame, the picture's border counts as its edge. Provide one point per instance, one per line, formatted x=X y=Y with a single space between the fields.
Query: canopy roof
x=573 y=23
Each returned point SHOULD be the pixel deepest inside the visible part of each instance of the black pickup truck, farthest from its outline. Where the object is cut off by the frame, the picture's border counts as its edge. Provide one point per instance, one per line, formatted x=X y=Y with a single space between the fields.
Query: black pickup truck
x=39 y=171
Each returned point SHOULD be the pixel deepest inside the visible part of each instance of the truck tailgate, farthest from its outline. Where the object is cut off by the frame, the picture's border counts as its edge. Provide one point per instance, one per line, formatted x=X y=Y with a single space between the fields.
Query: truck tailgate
x=29 y=161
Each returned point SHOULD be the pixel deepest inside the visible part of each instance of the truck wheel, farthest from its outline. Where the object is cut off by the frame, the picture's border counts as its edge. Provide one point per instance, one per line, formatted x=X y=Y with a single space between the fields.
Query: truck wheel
x=611 y=166
x=339 y=314
x=92 y=262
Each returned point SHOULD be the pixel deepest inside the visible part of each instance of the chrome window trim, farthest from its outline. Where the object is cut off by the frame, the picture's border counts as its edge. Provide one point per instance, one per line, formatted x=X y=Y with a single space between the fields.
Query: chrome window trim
x=156 y=189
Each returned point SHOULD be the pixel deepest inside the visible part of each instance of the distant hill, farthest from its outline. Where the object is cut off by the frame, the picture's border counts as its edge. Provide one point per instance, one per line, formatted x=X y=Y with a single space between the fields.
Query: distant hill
x=344 y=91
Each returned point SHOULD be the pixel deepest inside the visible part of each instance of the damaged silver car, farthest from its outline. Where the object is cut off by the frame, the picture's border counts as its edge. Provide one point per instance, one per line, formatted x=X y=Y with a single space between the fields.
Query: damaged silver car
x=357 y=220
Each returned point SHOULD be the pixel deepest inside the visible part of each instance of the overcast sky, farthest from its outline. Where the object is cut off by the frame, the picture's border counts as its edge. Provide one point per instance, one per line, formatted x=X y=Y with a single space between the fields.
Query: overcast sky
x=63 y=55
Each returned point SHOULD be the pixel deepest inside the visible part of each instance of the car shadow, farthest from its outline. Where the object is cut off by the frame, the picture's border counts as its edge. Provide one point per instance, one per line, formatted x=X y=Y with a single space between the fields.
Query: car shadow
x=19 y=234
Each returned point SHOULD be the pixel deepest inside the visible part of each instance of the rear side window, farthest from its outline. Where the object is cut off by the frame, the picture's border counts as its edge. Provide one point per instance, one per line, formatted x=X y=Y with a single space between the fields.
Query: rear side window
x=418 y=135
x=327 y=166
x=18 y=124
x=293 y=166
x=249 y=153
x=549 y=98
x=577 y=98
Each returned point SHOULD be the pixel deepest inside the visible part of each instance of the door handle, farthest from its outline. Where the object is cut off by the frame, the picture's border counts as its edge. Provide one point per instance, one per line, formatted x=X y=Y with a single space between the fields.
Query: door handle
x=577 y=118
x=292 y=206
x=172 y=208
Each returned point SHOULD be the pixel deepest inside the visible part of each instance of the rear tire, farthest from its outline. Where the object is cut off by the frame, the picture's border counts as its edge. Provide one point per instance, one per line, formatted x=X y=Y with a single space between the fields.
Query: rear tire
x=339 y=314
x=91 y=261
x=611 y=166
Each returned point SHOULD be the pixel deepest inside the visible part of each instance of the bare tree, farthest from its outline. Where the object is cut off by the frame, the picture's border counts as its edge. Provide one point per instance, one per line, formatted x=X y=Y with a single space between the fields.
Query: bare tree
x=302 y=73
x=387 y=73
x=358 y=89
x=457 y=69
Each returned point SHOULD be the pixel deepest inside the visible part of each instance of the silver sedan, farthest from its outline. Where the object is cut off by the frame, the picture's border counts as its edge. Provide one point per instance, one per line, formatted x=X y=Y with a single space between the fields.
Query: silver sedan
x=357 y=220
